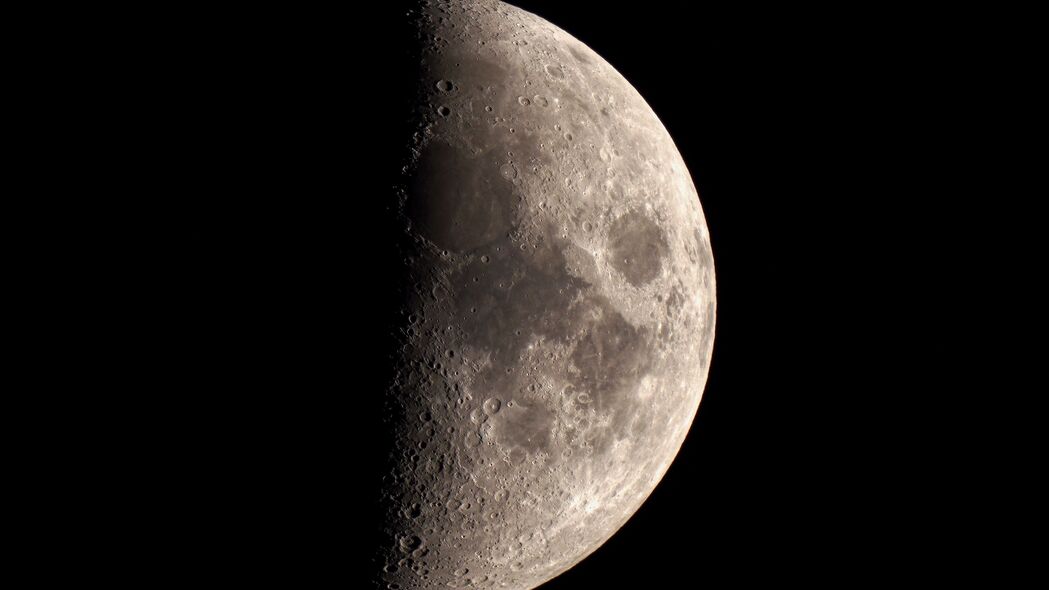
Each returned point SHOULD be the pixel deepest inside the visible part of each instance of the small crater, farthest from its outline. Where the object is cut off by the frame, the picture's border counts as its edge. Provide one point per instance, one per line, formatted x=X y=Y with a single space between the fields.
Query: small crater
x=410 y=543
x=445 y=86
x=524 y=101
x=541 y=101
x=443 y=111
x=492 y=406
x=555 y=71
x=508 y=171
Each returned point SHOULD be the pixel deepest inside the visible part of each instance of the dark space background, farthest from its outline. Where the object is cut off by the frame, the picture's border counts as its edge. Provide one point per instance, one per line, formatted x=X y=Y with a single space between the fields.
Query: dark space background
x=256 y=144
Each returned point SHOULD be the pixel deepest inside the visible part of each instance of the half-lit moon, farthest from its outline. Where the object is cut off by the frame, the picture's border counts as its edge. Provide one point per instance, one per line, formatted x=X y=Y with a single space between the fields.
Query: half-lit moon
x=557 y=340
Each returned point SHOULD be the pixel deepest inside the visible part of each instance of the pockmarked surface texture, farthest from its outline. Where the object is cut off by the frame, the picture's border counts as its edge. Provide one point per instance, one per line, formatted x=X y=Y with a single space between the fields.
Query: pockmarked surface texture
x=561 y=313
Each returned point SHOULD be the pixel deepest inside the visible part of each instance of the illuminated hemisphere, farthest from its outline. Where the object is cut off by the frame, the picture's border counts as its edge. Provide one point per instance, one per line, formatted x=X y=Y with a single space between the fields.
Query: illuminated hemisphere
x=556 y=339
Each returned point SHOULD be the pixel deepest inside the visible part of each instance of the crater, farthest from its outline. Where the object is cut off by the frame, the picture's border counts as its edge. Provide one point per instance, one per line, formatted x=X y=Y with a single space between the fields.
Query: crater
x=610 y=358
x=579 y=55
x=704 y=257
x=638 y=247
x=525 y=426
x=457 y=202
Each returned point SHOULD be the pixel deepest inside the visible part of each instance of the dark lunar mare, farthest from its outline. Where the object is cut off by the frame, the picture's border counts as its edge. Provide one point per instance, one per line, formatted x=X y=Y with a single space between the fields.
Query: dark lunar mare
x=274 y=141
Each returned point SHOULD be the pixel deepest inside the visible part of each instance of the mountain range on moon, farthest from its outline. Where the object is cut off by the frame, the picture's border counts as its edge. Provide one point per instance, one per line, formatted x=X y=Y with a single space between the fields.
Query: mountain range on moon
x=557 y=310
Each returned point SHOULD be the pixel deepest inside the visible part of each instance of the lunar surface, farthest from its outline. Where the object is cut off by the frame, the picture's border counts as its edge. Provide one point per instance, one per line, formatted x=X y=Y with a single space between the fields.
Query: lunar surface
x=560 y=317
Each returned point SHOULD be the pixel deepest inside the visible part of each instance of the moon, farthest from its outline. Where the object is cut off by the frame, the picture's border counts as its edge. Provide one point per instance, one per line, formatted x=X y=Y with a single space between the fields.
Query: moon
x=559 y=318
